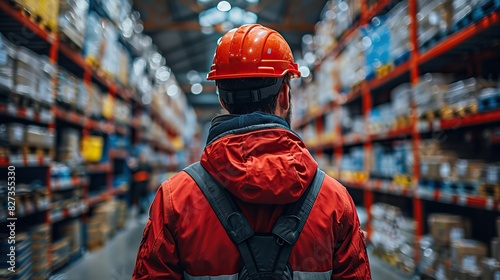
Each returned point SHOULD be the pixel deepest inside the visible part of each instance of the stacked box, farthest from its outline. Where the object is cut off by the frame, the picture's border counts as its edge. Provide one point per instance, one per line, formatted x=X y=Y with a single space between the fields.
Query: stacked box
x=94 y=106
x=446 y=228
x=467 y=254
x=48 y=10
x=96 y=231
x=393 y=236
x=462 y=97
x=122 y=214
x=398 y=23
x=40 y=237
x=26 y=73
x=8 y=56
x=67 y=87
x=73 y=233
x=31 y=6
x=60 y=253
x=428 y=93
x=69 y=149
x=73 y=19
x=46 y=73
x=434 y=19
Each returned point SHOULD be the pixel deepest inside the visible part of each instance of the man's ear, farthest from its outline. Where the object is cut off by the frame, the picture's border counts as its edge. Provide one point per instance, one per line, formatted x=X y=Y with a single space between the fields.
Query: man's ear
x=284 y=97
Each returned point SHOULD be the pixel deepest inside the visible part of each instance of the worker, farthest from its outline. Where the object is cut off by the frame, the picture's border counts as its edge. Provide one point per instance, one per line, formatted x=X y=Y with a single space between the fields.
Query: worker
x=258 y=168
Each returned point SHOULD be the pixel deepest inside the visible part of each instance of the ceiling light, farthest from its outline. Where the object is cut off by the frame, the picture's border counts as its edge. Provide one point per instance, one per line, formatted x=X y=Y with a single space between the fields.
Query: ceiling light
x=253 y=1
x=310 y=58
x=172 y=90
x=196 y=88
x=224 y=6
x=163 y=74
x=304 y=71
x=207 y=30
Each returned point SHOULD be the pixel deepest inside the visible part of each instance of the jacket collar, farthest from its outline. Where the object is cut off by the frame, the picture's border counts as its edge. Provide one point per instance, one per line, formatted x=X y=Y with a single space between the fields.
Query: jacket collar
x=226 y=124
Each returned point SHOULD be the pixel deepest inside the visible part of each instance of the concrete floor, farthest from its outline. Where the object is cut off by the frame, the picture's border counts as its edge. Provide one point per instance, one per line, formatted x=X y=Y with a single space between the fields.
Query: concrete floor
x=116 y=260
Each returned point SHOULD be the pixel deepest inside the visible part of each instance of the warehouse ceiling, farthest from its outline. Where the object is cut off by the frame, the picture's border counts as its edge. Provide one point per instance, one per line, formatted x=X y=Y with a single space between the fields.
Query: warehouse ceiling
x=175 y=28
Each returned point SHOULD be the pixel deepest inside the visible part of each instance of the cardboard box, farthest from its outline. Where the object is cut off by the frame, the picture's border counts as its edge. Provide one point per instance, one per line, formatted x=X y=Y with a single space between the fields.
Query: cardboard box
x=467 y=254
x=442 y=225
x=470 y=170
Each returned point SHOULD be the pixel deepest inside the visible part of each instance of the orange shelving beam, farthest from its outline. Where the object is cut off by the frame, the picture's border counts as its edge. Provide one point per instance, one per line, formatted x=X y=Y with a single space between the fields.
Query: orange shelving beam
x=461 y=36
x=25 y=21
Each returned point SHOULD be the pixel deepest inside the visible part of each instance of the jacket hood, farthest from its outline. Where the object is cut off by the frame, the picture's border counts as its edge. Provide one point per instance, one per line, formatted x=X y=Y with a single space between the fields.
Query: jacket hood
x=266 y=165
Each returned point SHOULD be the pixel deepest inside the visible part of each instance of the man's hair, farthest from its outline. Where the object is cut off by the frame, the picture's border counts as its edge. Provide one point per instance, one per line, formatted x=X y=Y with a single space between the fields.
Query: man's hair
x=267 y=105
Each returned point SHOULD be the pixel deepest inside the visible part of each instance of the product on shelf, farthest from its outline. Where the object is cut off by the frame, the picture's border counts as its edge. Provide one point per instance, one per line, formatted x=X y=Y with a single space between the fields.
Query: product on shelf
x=82 y=97
x=37 y=136
x=60 y=253
x=434 y=19
x=72 y=20
x=67 y=88
x=393 y=236
x=381 y=119
x=69 y=148
x=352 y=165
x=446 y=228
x=8 y=55
x=352 y=64
x=398 y=21
x=108 y=103
x=117 y=10
x=122 y=111
x=92 y=148
x=462 y=97
x=94 y=106
x=489 y=99
x=46 y=72
x=40 y=238
x=376 y=41
x=428 y=94
x=16 y=133
x=26 y=74
x=468 y=254
x=400 y=100
x=394 y=162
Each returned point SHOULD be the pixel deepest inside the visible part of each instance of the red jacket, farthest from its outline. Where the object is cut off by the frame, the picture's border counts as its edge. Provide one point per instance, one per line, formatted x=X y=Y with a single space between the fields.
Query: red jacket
x=264 y=169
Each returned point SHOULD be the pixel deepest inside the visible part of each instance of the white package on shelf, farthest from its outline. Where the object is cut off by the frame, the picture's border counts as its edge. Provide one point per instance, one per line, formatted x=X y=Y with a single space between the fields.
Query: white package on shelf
x=72 y=19
x=26 y=75
x=429 y=92
x=46 y=74
x=398 y=23
x=8 y=55
x=400 y=97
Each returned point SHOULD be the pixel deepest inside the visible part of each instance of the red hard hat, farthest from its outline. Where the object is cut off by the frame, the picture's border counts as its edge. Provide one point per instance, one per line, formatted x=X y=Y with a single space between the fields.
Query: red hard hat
x=252 y=51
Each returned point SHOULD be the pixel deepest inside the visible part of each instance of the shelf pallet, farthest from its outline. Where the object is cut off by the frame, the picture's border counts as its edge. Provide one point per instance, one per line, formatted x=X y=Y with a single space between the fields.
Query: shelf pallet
x=416 y=127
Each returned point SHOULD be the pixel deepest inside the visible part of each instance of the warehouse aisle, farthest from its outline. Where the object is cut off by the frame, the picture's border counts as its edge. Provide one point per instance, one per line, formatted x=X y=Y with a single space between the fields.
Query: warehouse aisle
x=114 y=262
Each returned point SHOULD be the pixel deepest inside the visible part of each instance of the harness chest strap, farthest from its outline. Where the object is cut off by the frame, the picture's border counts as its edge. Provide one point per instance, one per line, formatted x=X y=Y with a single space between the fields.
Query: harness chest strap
x=286 y=231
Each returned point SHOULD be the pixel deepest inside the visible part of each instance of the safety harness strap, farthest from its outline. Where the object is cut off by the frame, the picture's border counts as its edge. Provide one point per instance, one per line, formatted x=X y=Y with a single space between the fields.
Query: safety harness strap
x=286 y=230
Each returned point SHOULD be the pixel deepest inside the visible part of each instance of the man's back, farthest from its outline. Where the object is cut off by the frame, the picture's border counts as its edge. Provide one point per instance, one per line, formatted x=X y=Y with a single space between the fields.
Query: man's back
x=265 y=166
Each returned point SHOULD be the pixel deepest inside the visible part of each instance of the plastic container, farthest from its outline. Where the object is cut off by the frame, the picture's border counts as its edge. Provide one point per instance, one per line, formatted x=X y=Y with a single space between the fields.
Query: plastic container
x=26 y=72
x=8 y=56
x=46 y=73
x=428 y=93
x=17 y=133
x=400 y=97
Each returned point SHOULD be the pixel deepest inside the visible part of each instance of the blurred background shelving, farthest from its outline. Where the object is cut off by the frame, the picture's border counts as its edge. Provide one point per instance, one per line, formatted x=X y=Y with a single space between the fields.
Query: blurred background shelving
x=401 y=107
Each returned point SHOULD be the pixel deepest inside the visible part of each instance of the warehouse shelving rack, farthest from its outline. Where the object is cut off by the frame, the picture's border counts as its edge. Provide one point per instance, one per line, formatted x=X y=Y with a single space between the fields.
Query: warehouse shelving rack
x=462 y=40
x=16 y=25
